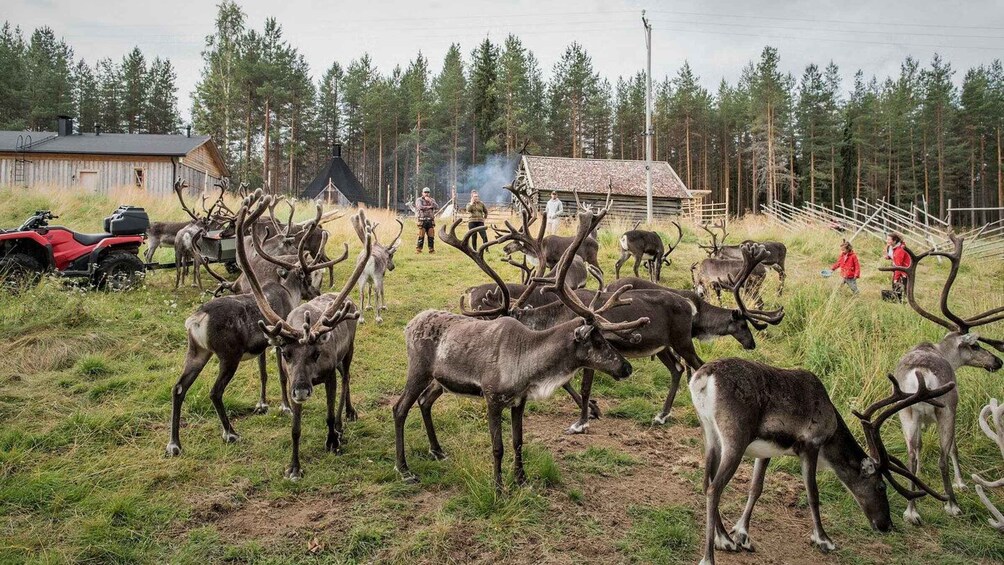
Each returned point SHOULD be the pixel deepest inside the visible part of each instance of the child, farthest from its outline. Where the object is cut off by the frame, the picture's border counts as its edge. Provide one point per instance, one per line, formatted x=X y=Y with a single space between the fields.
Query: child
x=849 y=266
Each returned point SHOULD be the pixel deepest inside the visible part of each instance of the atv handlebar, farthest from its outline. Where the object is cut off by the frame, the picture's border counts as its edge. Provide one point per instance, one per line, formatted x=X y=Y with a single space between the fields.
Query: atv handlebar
x=39 y=220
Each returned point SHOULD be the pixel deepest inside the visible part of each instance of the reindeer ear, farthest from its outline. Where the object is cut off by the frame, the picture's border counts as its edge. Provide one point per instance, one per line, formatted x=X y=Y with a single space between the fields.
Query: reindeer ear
x=868 y=467
x=970 y=339
x=737 y=315
x=582 y=332
x=283 y=273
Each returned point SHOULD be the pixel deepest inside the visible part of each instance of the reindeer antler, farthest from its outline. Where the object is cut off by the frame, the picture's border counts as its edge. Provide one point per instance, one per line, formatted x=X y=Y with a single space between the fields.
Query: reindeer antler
x=753 y=255
x=672 y=246
x=478 y=256
x=179 y=186
x=715 y=246
x=992 y=412
x=872 y=425
x=951 y=321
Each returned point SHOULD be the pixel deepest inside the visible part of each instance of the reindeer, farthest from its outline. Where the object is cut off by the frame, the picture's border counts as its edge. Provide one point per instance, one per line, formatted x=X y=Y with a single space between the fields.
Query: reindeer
x=578 y=273
x=714 y=274
x=992 y=412
x=317 y=341
x=776 y=250
x=646 y=245
x=227 y=327
x=187 y=240
x=447 y=351
x=748 y=408
x=380 y=263
x=935 y=365
x=165 y=233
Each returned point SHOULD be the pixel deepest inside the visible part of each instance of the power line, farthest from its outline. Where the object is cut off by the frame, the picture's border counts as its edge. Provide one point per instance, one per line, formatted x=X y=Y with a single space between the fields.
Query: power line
x=861 y=31
x=816 y=20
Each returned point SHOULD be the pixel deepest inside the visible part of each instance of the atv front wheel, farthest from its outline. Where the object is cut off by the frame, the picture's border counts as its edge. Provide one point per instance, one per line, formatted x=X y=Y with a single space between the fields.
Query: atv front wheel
x=18 y=271
x=118 y=270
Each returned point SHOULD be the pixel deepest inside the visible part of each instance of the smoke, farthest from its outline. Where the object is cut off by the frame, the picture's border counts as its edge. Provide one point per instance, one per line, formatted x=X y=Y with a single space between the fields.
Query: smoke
x=488 y=178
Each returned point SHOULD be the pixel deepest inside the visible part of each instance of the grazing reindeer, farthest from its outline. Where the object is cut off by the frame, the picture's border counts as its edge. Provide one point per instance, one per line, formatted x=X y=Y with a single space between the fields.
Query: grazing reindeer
x=992 y=412
x=165 y=233
x=777 y=252
x=447 y=351
x=227 y=327
x=646 y=245
x=748 y=408
x=380 y=263
x=935 y=364
x=187 y=240
x=316 y=340
x=714 y=274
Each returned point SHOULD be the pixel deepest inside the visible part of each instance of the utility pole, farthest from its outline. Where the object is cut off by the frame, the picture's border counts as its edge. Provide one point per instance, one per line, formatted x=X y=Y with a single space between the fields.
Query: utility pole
x=648 y=119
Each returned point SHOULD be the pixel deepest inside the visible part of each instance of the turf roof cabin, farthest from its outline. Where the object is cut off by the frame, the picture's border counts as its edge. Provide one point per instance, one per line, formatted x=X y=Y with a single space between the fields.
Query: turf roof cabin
x=337 y=184
x=102 y=161
x=591 y=177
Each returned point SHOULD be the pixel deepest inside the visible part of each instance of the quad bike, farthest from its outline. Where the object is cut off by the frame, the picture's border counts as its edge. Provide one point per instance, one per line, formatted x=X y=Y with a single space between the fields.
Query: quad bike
x=108 y=260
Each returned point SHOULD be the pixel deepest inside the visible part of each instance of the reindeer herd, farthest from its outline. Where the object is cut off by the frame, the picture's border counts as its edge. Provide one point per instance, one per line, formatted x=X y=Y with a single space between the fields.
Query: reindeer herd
x=513 y=342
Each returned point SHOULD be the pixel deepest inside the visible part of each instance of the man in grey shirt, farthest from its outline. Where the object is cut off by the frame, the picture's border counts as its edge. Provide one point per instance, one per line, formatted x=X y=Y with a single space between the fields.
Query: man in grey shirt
x=425 y=208
x=554 y=210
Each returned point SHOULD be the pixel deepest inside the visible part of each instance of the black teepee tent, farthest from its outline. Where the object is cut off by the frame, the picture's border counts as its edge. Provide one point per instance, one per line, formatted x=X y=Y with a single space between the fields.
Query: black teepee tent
x=335 y=183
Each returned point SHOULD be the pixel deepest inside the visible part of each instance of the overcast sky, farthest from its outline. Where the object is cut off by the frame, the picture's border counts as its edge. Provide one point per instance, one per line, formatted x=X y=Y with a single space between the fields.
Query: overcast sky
x=717 y=37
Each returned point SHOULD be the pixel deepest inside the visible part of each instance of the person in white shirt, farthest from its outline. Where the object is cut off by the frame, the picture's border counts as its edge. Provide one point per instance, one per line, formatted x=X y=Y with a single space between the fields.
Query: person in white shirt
x=554 y=210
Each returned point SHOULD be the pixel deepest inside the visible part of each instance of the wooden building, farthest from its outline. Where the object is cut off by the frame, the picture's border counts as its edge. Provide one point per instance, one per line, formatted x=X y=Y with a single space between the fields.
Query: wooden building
x=102 y=161
x=591 y=177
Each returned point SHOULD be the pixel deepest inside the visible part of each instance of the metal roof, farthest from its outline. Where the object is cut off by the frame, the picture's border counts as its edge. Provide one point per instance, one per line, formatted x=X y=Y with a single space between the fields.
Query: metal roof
x=104 y=144
x=592 y=176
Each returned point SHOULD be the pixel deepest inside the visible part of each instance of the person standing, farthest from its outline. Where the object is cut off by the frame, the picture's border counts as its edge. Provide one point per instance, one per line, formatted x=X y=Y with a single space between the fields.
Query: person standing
x=554 y=210
x=850 y=267
x=900 y=258
x=476 y=214
x=425 y=209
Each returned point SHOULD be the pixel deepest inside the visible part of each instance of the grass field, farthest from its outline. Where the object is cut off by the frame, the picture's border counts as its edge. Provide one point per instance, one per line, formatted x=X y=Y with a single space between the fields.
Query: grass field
x=85 y=385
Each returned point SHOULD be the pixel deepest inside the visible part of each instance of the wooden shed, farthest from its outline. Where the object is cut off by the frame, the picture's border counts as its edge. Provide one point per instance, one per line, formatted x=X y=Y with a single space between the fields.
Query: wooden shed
x=102 y=161
x=591 y=177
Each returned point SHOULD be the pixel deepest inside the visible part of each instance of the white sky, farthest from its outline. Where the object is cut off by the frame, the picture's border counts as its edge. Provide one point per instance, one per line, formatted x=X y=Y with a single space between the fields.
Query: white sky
x=717 y=37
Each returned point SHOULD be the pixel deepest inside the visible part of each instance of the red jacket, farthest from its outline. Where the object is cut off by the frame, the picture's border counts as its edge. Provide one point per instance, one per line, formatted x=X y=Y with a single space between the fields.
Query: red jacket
x=900 y=258
x=849 y=266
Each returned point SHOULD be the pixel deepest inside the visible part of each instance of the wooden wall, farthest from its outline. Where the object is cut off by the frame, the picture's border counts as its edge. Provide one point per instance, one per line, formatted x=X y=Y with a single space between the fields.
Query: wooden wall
x=630 y=207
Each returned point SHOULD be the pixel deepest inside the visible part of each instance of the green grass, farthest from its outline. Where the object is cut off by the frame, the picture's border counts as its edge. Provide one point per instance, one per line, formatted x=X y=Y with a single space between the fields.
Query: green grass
x=85 y=391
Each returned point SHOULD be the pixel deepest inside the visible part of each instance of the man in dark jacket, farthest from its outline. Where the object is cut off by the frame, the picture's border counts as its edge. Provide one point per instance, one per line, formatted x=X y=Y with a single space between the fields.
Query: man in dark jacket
x=476 y=214
x=425 y=208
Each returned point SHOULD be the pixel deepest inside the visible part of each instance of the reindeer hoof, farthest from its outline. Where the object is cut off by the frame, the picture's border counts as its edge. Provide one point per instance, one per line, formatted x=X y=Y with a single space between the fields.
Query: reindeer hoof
x=285 y=409
x=724 y=542
x=960 y=486
x=333 y=445
x=438 y=455
x=408 y=477
x=293 y=474
x=231 y=437
x=362 y=320
x=577 y=428
x=383 y=307
x=351 y=415
x=742 y=539
x=824 y=544
x=379 y=320
x=261 y=408
x=173 y=449
x=660 y=419
x=594 y=410
x=953 y=509
x=911 y=516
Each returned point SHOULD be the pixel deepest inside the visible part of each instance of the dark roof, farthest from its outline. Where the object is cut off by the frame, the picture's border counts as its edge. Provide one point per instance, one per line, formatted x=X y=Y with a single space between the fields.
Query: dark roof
x=592 y=176
x=338 y=172
x=105 y=144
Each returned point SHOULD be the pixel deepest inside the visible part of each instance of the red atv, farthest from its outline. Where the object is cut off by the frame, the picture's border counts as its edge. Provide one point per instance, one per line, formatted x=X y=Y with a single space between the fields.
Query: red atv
x=106 y=260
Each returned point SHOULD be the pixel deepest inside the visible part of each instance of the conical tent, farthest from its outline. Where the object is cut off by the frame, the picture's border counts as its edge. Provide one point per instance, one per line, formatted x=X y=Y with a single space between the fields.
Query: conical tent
x=336 y=183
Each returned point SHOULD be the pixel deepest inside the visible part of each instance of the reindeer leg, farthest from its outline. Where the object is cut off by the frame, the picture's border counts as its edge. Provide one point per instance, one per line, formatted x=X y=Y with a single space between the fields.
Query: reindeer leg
x=675 y=372
x=912 y=433
x=637 y=261
x=946 y=437
x=333 y=444
x=378 y=305
x=717 y=537
x=294 y=473
x=780 y=278
x=283 y=382
x=585 y=404
x=227 y=369
x=262 y=406
x=516 y=413
x=810 y=460
x=740 y=532
x=362 y=300
x=495 y=429
x=594 y=408
x=621 y=261
x=350 y=412
x=195 y=361
x=416 y=383
x=425 y=402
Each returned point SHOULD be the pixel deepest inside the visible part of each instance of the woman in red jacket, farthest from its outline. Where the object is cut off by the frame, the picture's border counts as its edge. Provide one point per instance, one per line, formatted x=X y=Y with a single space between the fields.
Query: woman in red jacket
x=850 y=267
x=900 y=258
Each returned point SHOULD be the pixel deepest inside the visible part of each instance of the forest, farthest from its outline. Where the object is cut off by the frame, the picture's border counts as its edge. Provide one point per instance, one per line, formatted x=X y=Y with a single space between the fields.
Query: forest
x=921 y=136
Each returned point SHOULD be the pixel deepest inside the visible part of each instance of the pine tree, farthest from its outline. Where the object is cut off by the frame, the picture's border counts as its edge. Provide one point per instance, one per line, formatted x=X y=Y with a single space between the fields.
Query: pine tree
x=572 y=85
x=215 y=102
x=328 y=105
x=451 y=109
x=49 y=87
x=86 y=98
x=13 y=79
x=484 y=99
x=110 y=96
x=134 y=90
x=160 y=113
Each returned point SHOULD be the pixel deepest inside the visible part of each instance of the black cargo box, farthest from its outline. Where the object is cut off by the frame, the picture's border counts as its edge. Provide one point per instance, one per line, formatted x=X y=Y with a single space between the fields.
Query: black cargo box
x=127 y=220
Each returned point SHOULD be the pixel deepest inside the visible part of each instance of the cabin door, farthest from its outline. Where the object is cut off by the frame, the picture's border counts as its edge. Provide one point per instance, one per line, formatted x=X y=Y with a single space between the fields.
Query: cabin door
x=88 y=180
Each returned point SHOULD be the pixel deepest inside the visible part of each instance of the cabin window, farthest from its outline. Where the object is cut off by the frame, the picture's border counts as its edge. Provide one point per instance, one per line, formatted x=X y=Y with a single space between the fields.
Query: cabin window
x=139 y=177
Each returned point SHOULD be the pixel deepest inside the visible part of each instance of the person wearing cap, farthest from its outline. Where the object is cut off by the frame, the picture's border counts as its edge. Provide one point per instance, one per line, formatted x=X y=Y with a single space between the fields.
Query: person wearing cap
x=425 y=208
x=554 y=210
x=476 y=215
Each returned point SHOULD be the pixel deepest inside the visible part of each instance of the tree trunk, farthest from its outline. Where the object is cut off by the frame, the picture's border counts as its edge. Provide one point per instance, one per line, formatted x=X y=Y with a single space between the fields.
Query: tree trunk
x=268 y=123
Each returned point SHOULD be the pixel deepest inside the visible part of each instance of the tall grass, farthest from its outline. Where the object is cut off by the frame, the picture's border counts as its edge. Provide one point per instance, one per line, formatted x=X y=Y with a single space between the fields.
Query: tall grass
x=85 y=388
